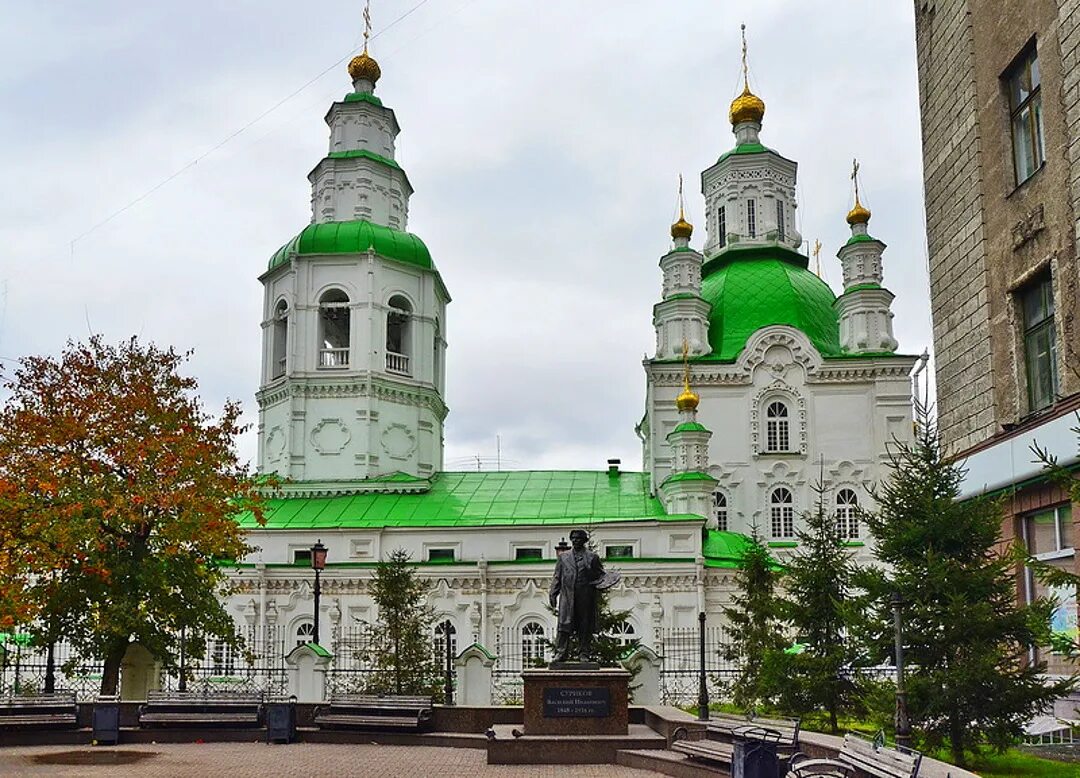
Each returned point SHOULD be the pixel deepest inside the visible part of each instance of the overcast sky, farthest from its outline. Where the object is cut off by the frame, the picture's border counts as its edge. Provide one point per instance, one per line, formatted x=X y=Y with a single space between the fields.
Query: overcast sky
x=544 y=140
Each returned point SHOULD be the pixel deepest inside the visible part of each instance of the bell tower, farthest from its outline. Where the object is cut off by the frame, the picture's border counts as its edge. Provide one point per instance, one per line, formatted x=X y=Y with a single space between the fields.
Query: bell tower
x=354 y=317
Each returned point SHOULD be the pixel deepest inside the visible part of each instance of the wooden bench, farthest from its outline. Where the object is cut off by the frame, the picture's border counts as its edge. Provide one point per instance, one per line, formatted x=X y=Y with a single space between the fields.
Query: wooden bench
x=45 y=710
x=349 y=711
x=199 y=709
x=723 y=729
x=859 y=756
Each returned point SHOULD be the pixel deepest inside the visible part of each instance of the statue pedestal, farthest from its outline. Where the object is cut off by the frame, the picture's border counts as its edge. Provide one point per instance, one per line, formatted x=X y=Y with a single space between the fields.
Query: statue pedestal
x=563 y=701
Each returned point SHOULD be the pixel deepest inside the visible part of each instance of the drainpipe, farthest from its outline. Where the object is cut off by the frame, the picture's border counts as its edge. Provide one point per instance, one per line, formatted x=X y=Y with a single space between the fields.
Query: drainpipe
x=923 y=359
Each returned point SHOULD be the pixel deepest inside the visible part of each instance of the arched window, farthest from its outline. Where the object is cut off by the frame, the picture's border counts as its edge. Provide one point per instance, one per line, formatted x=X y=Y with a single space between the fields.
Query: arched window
x=777 y=429
x=397 y=335
x=847 y=513
x=435 y=366
x=532 y=643
x=720 y=509
x=624 y=632
x=281 y=340
x=439 y=641
x=782 y=513
x=305 y=632
x=222 y=657
x=334 y=329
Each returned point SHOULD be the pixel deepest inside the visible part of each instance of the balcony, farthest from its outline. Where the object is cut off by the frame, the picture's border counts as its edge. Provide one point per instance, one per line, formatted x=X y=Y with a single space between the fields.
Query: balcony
x=397 y=363
x=330 y=358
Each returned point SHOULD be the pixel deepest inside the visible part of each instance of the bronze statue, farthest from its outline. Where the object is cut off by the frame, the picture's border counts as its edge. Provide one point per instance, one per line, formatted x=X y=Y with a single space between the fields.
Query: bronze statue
x=578 y=575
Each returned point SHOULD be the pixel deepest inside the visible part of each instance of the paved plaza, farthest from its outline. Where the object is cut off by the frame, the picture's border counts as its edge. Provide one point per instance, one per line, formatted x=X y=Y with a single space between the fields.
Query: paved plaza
x=303 y=760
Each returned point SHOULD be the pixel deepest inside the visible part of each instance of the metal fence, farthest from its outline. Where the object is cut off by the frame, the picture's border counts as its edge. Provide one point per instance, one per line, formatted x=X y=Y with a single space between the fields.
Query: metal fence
x=23 y=670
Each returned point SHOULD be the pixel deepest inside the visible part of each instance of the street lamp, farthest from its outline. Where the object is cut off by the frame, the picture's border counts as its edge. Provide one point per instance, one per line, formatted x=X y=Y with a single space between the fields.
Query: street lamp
x=903 y=723
x=561 y=548
x=318 y=563
x=703 y=687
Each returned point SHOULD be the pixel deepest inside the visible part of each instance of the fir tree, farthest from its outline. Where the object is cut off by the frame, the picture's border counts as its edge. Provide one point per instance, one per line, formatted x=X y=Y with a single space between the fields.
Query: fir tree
x=401 y=646
x=966 y=638
x=817 y=582
x=754 y=627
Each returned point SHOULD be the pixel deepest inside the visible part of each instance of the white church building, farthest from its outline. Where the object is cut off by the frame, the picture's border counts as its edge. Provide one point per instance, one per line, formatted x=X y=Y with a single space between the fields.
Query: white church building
x=781 y=380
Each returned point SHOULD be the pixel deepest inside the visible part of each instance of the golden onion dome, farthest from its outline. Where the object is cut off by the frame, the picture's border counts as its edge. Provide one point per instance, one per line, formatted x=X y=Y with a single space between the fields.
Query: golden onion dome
x=747 y=107
x=682 y=228
x=364 y=66
x=860 y=214
x=687 y=400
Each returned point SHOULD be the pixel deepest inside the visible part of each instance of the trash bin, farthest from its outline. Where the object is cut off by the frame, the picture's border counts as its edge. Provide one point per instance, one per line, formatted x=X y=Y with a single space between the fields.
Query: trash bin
x=754 y=759
x=281 y=721
x=106 y=721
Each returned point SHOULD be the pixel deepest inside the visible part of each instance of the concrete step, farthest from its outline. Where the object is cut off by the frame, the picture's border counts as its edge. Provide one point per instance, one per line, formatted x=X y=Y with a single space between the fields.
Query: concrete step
x=668 y=763
x=567 y=749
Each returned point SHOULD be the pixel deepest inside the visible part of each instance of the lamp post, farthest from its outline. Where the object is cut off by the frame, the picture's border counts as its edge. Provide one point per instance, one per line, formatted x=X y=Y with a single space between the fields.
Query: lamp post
x=318 y=563
x=903 y=723
x=561 y=548
x=182 y=685
x=703 y=689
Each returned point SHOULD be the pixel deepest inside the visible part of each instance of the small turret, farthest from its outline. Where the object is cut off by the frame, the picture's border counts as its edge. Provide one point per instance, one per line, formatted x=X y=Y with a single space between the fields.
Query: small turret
x=689 y=488
x=683 y=315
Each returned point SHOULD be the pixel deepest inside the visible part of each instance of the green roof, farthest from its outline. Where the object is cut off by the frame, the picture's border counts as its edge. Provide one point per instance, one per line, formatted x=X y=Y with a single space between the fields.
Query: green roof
x=690 y=426
x=690 y=476
x=861 y=239
x=355 y=237
x=480 y=499
x=758 y=286
x=363 y=154
x=745 y=148
x=723 y=549
x=363 y=97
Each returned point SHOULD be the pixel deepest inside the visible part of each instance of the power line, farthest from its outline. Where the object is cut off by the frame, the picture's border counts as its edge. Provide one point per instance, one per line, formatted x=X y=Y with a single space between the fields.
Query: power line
x=236 y=133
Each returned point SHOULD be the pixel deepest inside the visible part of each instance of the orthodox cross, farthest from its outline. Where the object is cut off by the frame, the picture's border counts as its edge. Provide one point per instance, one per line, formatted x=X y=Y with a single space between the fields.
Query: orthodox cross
x=855 y=177
x=745 y=71
x=817 y=257
x=686 y=364
x=367 y=23
x=682 y=215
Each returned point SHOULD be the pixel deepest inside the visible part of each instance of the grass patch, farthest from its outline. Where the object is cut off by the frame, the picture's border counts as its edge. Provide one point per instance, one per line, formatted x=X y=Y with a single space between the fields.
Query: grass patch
x=1017 y=764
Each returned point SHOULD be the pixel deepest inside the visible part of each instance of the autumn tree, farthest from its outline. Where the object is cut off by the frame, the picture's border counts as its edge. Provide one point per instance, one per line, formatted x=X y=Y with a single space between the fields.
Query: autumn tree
x=117 y=497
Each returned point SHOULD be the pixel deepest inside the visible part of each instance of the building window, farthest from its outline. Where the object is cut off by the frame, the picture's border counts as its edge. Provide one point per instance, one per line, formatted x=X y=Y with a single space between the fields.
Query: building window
x=532 y=643
x=780 y=220
x=1049 y=531
x=440 y=555
x=847 y=514
x=397 y=335
x=751 y=218
x=305 y=632
x=222 y=658
x=782 y=513
x=439 y=640
x=721 y=226
x=1025 y=108
x=301 y=556
x=720 y=510
x=334 y=329
x=624 y=633
x=435 y=366
x=1040 y=344
x=619 y=552
x=281 y=340
x=528 y=553
x=777 y=428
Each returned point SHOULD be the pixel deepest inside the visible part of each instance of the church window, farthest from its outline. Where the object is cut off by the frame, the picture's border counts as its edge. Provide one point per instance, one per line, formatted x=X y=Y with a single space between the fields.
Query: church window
x=440 y=555
x=222 y=657
x=721 y=226
x=777 y=428
x=281 y=340
x=435 y=365
x=720 y=510
x=528 y=553
x=301 y=556
x=439 y=640
x=305 y=632
x=847 y=514
x=532 y=643
x=334 y=329
x=624 y=633
x=1040 y=343
x=780 y=220
x=619 y=552
x=1025 y=110
x=397 y=336
x=751 y=219
x=782 y=513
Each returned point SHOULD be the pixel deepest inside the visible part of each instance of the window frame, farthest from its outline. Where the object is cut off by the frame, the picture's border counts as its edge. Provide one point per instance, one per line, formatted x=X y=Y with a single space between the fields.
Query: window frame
x=613 y=545
x=334 y=357
x=532 y=635
x=721 y=226
x=1031 y=331
x=782 y=513
x=751 y=218
x=1029 y=101
x=719 y=496
x=780 y=226
x=1060 y=550
x=777 y=428
x=279 y=341
x=847 y=514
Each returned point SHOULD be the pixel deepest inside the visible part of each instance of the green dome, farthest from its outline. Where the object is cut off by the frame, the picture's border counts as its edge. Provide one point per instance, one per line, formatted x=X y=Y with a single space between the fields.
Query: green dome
x=751 y=288
x=356 y=237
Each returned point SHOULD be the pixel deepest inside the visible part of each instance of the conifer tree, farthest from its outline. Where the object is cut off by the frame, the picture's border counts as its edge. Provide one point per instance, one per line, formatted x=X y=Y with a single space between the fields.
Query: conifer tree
x=966 y=638
x=401 y=648
x=754 y=627
x=815 y=605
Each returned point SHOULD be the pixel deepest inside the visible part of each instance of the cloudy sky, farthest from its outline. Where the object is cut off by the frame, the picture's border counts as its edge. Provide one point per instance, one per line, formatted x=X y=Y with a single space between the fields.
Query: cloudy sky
x=544 y=140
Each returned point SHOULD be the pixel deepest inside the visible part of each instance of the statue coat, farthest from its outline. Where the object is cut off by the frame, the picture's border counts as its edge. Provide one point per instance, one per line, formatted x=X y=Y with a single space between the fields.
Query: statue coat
x=566 y=582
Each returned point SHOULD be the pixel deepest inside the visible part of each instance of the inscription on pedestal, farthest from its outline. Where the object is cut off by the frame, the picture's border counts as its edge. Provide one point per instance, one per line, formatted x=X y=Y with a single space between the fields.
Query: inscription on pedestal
x=576 y=702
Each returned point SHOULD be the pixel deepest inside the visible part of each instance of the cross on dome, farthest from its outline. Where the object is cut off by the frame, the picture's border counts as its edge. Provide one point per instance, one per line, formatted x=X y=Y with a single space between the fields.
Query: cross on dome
x=687 y=400
x=859 y=214
x=747 y=107
x=363 y=69
x=682 y=229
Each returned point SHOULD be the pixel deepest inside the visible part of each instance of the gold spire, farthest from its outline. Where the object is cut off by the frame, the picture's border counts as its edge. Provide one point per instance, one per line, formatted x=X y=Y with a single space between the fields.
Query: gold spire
x=688 y=400
x=364 y=67
x=747 y=107
x=860 y=214
x=682 y=228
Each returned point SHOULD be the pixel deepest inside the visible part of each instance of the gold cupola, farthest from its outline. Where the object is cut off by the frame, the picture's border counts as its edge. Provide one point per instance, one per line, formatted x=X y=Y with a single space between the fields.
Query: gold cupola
x=747 y=107
x=859 y=214
x=682 y=228
x=687 y=400
x=363 y=67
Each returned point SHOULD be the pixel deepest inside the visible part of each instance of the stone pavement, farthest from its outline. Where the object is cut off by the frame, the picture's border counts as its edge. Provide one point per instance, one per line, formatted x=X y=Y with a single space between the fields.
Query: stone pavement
x=302 y=760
